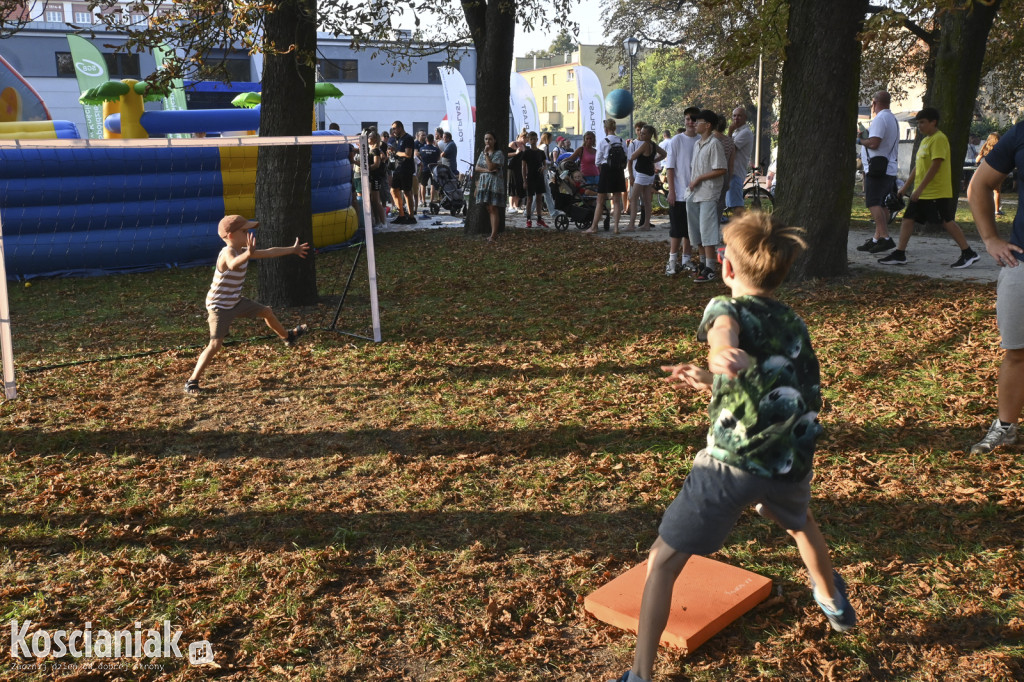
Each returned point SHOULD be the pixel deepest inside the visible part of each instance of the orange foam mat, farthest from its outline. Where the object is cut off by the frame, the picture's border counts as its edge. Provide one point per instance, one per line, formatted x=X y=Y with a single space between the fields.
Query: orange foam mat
x=708 y=595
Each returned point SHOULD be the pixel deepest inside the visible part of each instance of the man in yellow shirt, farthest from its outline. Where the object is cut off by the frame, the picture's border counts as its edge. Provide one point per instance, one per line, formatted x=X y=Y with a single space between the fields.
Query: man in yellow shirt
x=932 y=200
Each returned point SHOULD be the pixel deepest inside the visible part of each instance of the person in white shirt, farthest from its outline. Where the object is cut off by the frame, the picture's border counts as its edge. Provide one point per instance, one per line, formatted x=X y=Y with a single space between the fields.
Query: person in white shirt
x=882 y=140
x=611 y=182
x=743 y=138
x=677 y=168
x=707 y=178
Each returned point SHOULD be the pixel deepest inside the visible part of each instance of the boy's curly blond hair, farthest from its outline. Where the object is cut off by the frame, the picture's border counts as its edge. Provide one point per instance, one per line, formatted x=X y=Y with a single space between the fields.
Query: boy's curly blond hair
x=761 y=248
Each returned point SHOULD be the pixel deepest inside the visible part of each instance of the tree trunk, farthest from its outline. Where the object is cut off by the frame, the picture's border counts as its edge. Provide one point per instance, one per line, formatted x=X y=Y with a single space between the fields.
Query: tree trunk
x=818 y=122
x=958 y=54
x=493 y=27
x=283 y=204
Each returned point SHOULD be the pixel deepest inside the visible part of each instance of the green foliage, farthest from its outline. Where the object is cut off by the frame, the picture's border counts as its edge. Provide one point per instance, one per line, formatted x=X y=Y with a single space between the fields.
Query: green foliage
x=563 y=43
x=665 y=82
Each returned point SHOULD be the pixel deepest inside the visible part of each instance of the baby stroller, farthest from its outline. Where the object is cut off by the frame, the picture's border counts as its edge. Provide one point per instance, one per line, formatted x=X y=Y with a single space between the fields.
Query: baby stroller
x=571 y=198
x=452 y=197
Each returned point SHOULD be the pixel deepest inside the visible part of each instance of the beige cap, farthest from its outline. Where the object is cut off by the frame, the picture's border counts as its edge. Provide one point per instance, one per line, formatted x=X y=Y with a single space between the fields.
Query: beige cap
x=233 y=223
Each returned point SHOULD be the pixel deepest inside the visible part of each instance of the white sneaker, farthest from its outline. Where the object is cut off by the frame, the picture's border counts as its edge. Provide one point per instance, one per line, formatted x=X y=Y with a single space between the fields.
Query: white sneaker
x=672 y=267
x=997 y=435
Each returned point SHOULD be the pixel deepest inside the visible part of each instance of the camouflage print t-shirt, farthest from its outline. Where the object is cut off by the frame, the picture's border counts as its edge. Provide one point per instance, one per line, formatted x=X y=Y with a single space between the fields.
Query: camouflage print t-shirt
x=765 y=421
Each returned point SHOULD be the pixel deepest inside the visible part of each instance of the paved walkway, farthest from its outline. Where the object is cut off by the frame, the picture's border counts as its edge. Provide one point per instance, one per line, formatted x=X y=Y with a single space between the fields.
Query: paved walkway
x=929 y=256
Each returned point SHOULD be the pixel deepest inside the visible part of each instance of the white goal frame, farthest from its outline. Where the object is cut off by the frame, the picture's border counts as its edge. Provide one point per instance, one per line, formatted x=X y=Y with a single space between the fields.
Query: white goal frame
x=6 y=344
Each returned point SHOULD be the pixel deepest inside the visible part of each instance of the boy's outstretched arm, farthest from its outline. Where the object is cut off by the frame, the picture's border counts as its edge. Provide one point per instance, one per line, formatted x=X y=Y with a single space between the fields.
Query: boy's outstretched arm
x=295 y=249
x=725 y=357
x=688 y=375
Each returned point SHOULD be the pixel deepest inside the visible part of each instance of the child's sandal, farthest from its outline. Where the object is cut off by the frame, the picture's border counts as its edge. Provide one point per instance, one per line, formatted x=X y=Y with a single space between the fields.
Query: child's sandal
x=294 y=334
x=192 y=387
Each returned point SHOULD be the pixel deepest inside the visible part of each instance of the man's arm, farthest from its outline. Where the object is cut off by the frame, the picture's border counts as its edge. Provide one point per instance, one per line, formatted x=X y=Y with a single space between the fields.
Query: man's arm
x=979 y=195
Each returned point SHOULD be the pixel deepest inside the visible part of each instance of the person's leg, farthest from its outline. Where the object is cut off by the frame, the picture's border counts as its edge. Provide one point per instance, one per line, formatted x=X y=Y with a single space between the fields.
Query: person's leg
x=664 y=565
x=814 y=553
x=410 y=202
x=998 y=201
x=880 y=215
x=211 y=349
x=398 y=201
x=906 y=229
x=598 y=214
x=647 y=194
x=271 y=319
x=616 y=209
x=1011 y=385
x=633 y=205
x=495 y=220
x=956 y=233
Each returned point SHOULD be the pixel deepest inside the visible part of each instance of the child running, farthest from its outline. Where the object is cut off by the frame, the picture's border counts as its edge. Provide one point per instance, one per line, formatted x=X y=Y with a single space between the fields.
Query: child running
x=765 y=397
x=225 y=302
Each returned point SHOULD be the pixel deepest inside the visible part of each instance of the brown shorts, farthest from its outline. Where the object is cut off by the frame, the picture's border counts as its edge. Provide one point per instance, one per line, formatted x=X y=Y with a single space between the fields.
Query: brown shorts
x=220 y=318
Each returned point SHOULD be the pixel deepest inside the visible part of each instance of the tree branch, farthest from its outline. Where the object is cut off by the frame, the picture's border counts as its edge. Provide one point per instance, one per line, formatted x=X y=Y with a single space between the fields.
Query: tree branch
x=928 y=37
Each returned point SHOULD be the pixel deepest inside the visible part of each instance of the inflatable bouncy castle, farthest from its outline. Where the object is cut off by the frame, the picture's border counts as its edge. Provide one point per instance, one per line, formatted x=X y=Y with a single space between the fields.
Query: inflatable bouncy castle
x=100 y=207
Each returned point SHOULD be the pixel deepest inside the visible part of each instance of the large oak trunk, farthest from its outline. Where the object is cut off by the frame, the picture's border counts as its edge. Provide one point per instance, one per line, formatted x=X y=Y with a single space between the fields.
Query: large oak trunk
x=283 y=204
x=492 y=26
x=817 y=127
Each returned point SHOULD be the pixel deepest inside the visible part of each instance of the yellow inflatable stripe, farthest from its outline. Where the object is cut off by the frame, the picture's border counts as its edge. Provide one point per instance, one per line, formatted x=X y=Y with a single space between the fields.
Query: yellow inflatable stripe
x=334 y=227
x=27 y=130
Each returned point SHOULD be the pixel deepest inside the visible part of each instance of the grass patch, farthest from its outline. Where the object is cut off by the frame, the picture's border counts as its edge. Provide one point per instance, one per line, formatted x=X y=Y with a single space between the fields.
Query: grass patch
x=437 y=505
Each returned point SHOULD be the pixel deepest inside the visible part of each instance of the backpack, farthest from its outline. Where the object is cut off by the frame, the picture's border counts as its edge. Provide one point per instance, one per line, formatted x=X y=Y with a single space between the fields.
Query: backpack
x=616 y=156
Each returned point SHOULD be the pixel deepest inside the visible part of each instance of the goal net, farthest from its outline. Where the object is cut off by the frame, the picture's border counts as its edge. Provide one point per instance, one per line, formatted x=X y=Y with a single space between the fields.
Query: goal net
x=89 y=207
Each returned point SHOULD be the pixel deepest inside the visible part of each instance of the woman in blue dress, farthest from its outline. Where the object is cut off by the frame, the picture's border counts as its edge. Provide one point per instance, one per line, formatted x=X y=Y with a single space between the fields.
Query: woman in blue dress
x=490 y=183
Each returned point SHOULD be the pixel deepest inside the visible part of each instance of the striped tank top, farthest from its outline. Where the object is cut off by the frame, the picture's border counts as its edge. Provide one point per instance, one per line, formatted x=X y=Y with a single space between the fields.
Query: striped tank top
x=226 y=289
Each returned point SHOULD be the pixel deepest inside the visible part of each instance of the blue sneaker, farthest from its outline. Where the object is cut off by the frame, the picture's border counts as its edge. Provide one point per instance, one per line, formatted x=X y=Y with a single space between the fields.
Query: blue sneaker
x=845 y=618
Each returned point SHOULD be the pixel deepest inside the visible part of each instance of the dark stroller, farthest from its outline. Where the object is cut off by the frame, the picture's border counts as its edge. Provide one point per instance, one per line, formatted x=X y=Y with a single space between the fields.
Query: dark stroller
x=452 y=197
x=571 y=198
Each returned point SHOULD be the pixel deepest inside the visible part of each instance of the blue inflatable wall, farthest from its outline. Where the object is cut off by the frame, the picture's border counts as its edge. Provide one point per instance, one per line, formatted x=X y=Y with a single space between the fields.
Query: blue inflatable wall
x=91 y=210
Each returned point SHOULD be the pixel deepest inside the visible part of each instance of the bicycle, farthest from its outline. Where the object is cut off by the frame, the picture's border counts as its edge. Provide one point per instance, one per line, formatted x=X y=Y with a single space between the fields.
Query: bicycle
x=755 y=195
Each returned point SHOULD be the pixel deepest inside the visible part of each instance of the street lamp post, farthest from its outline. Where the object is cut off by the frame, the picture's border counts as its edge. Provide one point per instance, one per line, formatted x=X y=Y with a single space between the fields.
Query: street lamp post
x=632 y=46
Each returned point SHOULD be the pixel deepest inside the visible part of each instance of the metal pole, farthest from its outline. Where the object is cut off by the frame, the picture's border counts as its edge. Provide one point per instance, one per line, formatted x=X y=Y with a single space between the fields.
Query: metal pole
x=757 y=123
x=630 y=131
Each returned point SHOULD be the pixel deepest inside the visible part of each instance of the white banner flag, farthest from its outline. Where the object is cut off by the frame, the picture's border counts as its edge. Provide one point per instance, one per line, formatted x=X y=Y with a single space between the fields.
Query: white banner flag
x=591 y=100
x=460 y=113
x=523 y=103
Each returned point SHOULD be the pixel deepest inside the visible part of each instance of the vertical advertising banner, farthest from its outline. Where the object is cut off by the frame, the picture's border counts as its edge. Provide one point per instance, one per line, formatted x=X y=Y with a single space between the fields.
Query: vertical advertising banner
x=460 y=114
x=175 y=99
x=591 y=100
x=523 y=104
x=91 y=70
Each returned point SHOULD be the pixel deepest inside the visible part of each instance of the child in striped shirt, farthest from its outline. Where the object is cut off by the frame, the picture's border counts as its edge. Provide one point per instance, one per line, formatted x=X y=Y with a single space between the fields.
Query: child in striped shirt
x=225 y=302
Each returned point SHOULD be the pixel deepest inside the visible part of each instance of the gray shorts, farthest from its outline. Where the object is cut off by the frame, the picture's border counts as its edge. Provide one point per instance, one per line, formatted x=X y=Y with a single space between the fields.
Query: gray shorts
x=702 y=222
x=1009 y=313
x=220 y=319
x=715 y=494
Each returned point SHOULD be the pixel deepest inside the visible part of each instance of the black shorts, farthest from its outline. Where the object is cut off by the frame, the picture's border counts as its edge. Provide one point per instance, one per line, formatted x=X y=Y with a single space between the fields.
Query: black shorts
x=401 y=182
x=535 y=185
x=875 y=189
x=425 y=179
x=610 y=181
x=677 y=224
x=931 y=210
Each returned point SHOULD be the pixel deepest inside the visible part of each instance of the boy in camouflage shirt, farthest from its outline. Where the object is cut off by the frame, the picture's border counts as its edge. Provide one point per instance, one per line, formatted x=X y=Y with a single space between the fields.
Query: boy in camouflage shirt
x=765 y=397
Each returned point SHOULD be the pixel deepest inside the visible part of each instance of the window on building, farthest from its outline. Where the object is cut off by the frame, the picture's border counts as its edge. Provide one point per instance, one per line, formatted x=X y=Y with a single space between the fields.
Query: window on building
x=543 y=104
x=339 y=70
x=54 y=14
x=235 y=70
x=82 y=17
x=433 y=76
x=139 y=19
x=570 y=103
x=570 y=131
x=544 y=81
x=65 y=65
x=366 y=125
x=122 y=66
x=554 y=103
x=570 y=75
x=417 y=126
